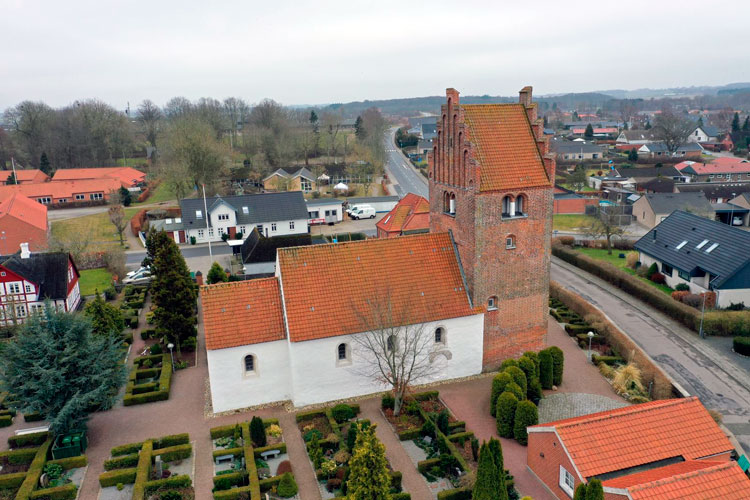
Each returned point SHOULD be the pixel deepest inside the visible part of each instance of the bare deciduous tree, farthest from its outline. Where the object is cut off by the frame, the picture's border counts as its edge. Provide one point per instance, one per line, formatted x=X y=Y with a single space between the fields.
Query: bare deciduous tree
x=605 y=224
x=149 y=117
x=672 y=129
x=117 y=218
x=395 y=345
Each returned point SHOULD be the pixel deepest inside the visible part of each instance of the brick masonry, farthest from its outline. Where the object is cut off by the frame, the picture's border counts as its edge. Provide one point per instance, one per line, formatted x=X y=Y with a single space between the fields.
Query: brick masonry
x=517 y=277
x=545 y=455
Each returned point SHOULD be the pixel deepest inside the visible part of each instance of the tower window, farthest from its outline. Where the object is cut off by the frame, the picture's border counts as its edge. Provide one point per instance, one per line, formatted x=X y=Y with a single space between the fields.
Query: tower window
x=507 y=206
x=391 y=343
x=520 y=206
x=492 y=303
x=510 y=242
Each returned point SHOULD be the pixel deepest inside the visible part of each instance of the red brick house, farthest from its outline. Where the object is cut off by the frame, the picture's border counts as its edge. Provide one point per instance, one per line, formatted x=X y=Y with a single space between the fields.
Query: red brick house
x=28 y=279
x=666 y=449
x=68 y=194
x=410 y=215
x=491 y=175
x=22 y=220
x=29 y=176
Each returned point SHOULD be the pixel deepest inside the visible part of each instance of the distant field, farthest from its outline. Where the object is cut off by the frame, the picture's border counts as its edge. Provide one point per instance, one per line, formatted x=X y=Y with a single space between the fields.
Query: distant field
x=97 y=228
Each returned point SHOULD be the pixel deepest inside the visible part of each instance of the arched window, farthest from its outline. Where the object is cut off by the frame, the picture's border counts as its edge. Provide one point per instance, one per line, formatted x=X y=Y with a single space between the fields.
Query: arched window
x=391 y=343
x=510 y=242
x=249 y=363
x=507 y=206
x=341 y=352
x=440 y=335
x=452 y=204
x=492 y=303
x=521 y=205
x=446 y=202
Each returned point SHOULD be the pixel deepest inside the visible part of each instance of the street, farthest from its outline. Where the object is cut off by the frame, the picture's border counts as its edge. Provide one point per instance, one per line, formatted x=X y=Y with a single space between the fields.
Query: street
x=705 y=368
x=404 y=177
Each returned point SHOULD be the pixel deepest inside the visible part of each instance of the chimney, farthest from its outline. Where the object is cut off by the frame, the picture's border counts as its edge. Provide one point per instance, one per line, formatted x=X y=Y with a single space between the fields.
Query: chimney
x=524 y=96
x=198 y=278
x=25 y=253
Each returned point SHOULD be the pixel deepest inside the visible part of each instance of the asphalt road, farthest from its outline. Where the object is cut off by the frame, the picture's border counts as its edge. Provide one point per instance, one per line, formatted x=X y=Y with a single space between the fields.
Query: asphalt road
x=704 y=368
x=405 y=178
x=133 y=259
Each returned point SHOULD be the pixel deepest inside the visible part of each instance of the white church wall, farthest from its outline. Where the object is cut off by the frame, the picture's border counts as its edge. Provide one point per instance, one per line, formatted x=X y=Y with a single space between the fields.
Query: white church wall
x=232 y=387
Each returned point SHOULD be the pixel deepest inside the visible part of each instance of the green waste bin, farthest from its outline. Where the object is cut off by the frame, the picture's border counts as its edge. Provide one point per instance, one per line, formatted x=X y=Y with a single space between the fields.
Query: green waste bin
x=72 y=444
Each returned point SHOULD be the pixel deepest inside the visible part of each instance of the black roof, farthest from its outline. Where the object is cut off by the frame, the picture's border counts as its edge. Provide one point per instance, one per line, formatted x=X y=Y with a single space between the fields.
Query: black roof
x=724 y=252
x=643 y=172
x=658 y=185
x=48 y=270
x=715 y=190
x=265 y=207
x=575 y=147
x=666 y=203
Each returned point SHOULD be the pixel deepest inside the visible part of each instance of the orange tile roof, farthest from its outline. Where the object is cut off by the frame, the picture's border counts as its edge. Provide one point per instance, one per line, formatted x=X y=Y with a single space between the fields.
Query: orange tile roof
x=327 y=287
x=649 y=476
x=28 y=175
x=724 y=481
x=242 y=313
x=127 y=176
x=408 y=214
x=20 y=207
x=65 y=189
x=640 y=434
x=506 y=147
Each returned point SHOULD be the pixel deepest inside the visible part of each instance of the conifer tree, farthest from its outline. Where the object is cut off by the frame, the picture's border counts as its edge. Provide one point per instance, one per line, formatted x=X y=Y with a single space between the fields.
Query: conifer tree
x=526 y=415
x=589 y=132
x=368 y=469
x=315 y=451
x=580 y=493
x=44 y=164
x=746 y=125
x=486 y=486
x=506 y=414
x=257 y=432
x=497 y=454
x=216 y=274
x=57 y=367
x=594 y=490
x=105 y=318
x=546 y=369
x=736 y=122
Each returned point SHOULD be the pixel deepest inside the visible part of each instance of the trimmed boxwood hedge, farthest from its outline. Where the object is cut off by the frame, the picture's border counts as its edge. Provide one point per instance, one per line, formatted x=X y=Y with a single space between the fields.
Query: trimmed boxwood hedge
x=165 y=382
x=113 y=477
x=455 y=494
x=172 y=453
x=741 y=345
x=122 y=462
x=232 y=494
x=143 y=471
x=170 y=440
x=279 y=446
x=6 y=420
x=226 y=481
x=574 y=330
x=35 y=439
x=126 y=449
x=182 y=481
x=607 y=360
x=64 y=492
x=71 y=462
x=12 y=480
x=35 y=470
x=20 y=457
x=235 y=452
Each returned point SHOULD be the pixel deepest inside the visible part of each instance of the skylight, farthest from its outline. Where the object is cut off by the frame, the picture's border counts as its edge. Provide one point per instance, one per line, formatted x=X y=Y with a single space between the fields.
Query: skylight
x=245 y=210
x=701 y=244
x=198 y=214
x=682 y=244
x=712 y=247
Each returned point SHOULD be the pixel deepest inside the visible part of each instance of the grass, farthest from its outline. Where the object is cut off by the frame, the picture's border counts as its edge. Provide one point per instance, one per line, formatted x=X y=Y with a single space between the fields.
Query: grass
x=130 y=162
x=96 y=228
x=585 y=189
x=569 y=222
x=160 y=194
x=94 y=279
x=614 y=259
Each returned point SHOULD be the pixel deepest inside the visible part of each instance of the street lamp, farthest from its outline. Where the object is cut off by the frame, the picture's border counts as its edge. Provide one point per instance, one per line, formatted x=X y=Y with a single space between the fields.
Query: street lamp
x=170 y=346
x=731 y=214
x=591 y=336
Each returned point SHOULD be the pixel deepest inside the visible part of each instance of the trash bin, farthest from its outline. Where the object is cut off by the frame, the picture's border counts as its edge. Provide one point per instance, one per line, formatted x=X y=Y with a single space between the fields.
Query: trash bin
x=72 y=444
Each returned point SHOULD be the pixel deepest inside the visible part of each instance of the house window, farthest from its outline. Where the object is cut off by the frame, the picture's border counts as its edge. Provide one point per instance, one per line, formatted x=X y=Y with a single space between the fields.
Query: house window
x=291 y=225
x=21 y=310
x=221 y=231
x=440 y=335
x=80 y=197
x=521 y=205
x=273 y=227
x=683 y=275
x=28 y=288
x=391 y=343
x=492 y=303
x=314 y=214
x=249 y=363
x=260 y=228
x=201 y=233
x=14 y=288
x=510 y=242
x=96 y=196
x=62 y=200
x=567 y=481
x=211 y=232
x=198 y=214
x=242 y=229
x=306 y=185
x=666 y=269
x=44 y=201
x=223 y=216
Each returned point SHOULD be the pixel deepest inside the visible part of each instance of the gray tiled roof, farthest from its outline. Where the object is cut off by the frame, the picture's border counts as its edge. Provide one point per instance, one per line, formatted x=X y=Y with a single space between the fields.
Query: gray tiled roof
x=48 y=270
x=715 y=190
x=710 y=130
x=266 y=207
x=726 y=259
x=667 y=171
x=666 y=203
x=575 y=147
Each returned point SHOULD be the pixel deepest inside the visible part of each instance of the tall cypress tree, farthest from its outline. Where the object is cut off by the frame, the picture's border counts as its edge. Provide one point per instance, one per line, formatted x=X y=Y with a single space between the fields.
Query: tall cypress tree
x=368 y=469
x=746 y=125
x=487 y=485
x=580 y=492
x=496 y=449
x=594 y=490
x=736 y=122
x=44 y=164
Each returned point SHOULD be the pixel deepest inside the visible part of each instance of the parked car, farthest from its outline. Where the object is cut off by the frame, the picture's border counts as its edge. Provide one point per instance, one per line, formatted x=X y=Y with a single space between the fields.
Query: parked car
x=139 y=270
x=140 y=277
x=365 y=212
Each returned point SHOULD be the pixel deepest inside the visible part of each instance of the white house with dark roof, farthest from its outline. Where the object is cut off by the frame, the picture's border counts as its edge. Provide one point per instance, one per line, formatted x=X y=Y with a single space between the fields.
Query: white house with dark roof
x=704 y=133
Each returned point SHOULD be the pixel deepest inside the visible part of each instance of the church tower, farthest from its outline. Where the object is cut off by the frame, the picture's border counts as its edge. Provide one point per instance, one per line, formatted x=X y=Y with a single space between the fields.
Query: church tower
x=491 y=176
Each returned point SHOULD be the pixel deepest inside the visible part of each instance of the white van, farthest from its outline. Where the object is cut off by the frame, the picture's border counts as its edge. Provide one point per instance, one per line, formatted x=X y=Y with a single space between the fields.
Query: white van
x=363 y=212
x=354 y=208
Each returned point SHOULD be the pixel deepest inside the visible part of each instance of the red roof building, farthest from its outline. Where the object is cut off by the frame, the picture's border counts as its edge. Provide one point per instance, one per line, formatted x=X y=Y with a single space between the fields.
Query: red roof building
x=22 y=220
x=70 y=193
x=636 y=451
x=24 y=176
x=410 y=215
x=127 y=176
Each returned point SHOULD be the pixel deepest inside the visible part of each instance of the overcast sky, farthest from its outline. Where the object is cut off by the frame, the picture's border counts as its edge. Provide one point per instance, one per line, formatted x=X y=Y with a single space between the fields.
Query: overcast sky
x=339 y=51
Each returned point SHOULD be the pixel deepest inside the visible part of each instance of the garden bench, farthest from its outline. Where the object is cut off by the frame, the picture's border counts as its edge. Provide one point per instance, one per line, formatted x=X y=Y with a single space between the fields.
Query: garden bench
x=32 y=430
x=224 y=458
x=270 y=454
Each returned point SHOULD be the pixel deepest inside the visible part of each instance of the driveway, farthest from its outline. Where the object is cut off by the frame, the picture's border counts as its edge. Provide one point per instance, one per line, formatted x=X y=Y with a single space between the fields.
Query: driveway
x=705 y=368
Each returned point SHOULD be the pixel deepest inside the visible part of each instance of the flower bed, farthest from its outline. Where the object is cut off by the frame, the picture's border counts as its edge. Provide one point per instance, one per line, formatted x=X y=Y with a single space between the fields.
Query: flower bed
x=134 y=466
x=150 y=380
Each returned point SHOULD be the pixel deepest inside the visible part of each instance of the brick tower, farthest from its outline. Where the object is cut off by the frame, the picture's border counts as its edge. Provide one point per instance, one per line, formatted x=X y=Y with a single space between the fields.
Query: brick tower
x=491 y=176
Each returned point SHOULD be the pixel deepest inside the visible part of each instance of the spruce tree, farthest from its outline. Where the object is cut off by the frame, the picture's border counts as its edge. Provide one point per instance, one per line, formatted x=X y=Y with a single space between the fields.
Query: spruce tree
x=358 y=130
x=257 y=432
x=746 y=125
x=486 y=486
x=496 y=449
x=594 y=490
x=580 y=493
x=368 y=469
x=736 y=122
x=105 y=318
x=57 y=367
x=125 y=198
x=216 y=274
x=44 y=164
x=589 y=132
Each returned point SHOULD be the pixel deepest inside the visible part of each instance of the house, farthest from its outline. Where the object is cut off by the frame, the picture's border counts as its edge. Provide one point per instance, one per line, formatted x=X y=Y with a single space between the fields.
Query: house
x=645 y=174
x=724 y=169
x=325 y=210
x=128 y=177
x=68 y=194
x=28 y=279
x=424 y=147
x=22 y=220
x=577 y=150
x=704 y=133
x=283 y=179
x=715 y=192
x=599 y=182
x=731 y=214
x=635 y=137
x=566 y=201
x=173 y=226
x=30 y=176
x=599 y=132
x=704 y=254
x=653 y=208
x=274 y=214
x=662 y=450
x=410 y=215
x=429 y=131
x=294 y=336
x=659 y=150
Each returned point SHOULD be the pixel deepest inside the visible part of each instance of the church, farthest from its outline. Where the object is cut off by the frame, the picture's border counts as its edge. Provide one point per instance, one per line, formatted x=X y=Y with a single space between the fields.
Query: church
x=477 y=283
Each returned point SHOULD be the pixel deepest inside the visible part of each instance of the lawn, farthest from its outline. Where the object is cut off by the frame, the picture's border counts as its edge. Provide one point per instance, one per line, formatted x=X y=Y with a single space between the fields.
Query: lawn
x=614 y=259
x=94 y=279
x=569 y=222
x=160 y=194
x=585 y=189
x=96 y=228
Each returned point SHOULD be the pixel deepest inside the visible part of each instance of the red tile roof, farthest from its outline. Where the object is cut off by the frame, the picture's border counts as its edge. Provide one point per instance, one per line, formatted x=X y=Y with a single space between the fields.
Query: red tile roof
x=640 y=434
x=410 y=213
x=505 y=145
x=649 y=476
x=29 y=175
x=723 y=165
x=18 y=206
x=242 y=313
x=724 y=481
x=127 y=176
x=329 y=288
x=66 y=189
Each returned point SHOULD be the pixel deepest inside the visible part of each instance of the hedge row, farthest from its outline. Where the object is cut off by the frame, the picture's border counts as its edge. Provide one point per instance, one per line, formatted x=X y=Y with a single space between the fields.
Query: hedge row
x=34 y=439
x=71 y=462
x=741 y=345
x=35 y=470
x=727 y=323
x=12 y=481
x=114 y=477
x=232 y=479
x=234 y=493
x=126 y=449
x=162 y=394
x=142 y=472
x=456 y=494
x=170 y=440
x=64 y=492
x=235 y=452
x=182 y=481
x=280 y=446
x=20 y=457
x=252 y=470
x=228 y=430
x=6 y=420
x=172 y=453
